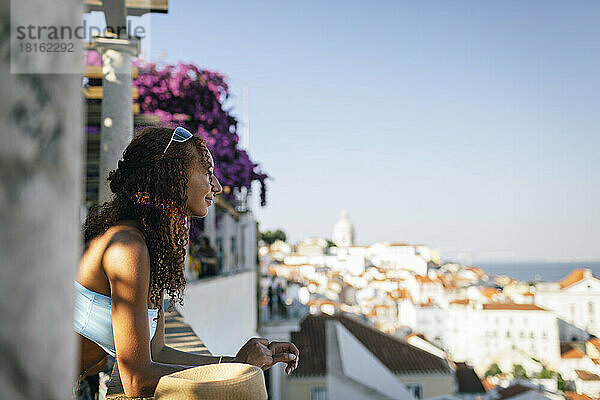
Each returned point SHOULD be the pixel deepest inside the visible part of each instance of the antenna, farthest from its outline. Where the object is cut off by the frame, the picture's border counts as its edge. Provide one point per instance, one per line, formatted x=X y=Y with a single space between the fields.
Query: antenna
x=245 y=132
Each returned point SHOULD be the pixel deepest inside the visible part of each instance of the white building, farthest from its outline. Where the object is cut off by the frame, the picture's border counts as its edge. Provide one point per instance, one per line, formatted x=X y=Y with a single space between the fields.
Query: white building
x=343 y=231
x=313 y=246
x=397 y=256
x=427 y=319
x=349 y=260
x=576 y=300
x=506 y=334
x=432 y=321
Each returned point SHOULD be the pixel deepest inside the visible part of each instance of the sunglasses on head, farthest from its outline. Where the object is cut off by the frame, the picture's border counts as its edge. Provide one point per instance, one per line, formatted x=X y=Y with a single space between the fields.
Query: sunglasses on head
x=179 y=135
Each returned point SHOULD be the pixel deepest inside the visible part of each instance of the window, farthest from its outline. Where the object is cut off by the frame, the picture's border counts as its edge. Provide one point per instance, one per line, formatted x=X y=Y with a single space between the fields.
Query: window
x=234 y=260
x=507 y=333
x=591 y=307
x=219 y=245
x=318 y=393
x=416 y=389
x=522 y=335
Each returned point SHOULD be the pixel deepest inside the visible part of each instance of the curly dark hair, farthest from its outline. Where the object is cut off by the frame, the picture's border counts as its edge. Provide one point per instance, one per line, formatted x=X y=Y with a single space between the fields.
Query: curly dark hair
x=151 y=188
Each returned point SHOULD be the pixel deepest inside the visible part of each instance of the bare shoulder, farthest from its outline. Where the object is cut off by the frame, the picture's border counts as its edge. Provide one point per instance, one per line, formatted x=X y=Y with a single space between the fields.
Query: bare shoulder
x=126 y=255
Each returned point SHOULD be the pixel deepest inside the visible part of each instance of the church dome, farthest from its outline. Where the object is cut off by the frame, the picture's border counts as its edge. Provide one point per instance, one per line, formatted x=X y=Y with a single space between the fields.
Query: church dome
x=343 y=231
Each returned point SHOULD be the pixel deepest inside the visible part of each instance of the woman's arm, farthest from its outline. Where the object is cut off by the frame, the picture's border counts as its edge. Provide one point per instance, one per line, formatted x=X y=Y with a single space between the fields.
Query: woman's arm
x=126 y=263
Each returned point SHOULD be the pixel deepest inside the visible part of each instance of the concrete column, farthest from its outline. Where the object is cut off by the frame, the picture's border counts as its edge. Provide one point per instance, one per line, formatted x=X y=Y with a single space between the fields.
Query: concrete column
x=250 y=246
x=276 y=373
x=41 y=181
x=117 y=104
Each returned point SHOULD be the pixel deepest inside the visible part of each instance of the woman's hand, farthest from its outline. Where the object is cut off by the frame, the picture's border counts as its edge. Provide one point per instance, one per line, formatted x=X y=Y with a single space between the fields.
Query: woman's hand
x=258 y=351
x=288 y=349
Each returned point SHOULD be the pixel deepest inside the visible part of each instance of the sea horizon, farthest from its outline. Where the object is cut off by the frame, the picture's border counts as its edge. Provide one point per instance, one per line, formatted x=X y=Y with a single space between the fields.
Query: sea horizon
x=545 y=271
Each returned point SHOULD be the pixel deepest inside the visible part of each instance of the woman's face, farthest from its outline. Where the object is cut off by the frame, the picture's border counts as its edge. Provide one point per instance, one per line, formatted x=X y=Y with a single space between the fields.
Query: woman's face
x=200 y=191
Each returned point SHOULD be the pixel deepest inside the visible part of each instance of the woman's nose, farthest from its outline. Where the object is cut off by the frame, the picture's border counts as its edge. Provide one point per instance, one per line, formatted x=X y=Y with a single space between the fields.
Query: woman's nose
x=217 y=188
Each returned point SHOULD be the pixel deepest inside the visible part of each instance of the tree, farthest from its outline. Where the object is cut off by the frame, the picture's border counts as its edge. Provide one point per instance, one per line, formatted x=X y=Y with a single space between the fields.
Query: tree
x=493 y=370
x=519 y=372
x=560 y=382
x=270 y=237
x=545 y=373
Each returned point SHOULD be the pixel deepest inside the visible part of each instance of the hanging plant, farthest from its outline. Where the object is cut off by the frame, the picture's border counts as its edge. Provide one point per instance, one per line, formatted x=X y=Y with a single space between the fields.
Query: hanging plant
x=186 y=95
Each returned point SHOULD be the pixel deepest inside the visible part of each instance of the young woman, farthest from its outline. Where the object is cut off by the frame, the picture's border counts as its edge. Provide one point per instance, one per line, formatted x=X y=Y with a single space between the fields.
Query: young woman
x=134 y=255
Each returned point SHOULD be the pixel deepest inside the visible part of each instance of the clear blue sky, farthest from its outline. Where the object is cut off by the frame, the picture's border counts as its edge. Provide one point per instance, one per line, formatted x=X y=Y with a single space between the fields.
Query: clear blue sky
x=470 y=126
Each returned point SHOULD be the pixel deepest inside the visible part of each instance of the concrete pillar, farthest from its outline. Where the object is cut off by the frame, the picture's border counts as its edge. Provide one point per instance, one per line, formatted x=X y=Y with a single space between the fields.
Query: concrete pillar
x=276 y=373
x=41 y=143
x=117 y=104
x=249 y=245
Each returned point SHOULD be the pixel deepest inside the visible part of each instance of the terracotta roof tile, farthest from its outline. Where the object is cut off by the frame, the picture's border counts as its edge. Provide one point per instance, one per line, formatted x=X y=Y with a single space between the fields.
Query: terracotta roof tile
x=587 y=376
x=574 y=277
x=399 y=294
x=513 y=306
x=577 y=396
x=429 y=303
x=424 y=279
x=397 y=355
x=595 y=342
x=487 y=384
x=490 y=292
x=419 y=335
x=568 y=351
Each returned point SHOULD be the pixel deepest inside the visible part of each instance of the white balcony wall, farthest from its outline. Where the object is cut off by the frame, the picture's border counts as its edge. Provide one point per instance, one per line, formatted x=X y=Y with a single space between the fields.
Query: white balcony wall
x=222 y=310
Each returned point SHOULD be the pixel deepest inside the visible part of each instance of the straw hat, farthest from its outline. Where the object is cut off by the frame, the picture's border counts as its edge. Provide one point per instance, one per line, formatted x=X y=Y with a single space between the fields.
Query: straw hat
x=227 y=381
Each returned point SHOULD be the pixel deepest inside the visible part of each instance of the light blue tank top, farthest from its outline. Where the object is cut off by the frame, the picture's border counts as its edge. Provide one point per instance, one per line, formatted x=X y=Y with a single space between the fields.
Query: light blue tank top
x=93 y=318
